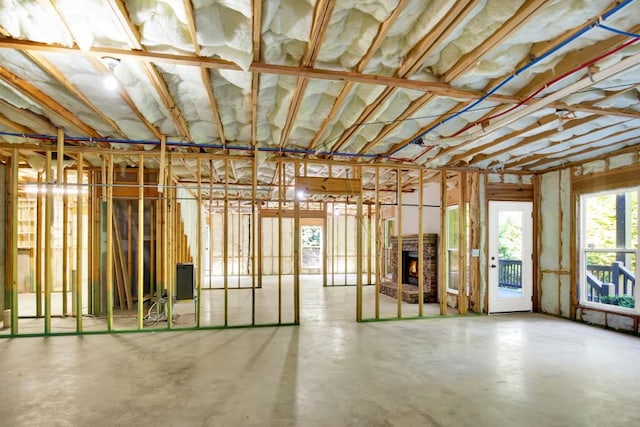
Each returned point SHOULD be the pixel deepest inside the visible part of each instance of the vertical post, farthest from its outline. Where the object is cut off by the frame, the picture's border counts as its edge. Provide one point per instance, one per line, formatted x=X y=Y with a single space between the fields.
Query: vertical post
x=420 y=243
x=211 y=240
x=399 y=254
x=141 y=242
x=346 y=241
x=259 y=243
x=325 y=246
x=109 y=261
x=39 y=248
x=171 y=242
x=280 y=198
x=369 y=245
x=333 y=243
x=65 y=240
x=48 y=241
x=379 y=243
x=462 y=253
x=79 y=242
x=442 y=247
x=253 y=228
x=130 y=241
x=199 y=243
x=153 y=264
x=359 y=233
x=225 y=242
x=296 y=251
x=14 y=241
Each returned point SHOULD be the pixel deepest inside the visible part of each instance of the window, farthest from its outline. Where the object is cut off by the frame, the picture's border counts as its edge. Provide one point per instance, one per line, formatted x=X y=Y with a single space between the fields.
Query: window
x=609 y=249
x=453 y=266
x=311 y=243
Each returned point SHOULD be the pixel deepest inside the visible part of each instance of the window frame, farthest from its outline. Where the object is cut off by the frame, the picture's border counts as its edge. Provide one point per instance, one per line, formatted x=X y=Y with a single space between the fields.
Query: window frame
x=583 y=250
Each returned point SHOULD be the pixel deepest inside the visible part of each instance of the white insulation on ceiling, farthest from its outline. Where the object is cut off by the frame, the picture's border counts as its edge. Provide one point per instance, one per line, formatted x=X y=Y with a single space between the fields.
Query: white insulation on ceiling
x=350 y=117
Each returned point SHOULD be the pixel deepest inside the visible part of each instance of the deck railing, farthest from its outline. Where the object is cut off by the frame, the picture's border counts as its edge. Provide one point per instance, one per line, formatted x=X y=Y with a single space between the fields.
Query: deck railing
x=609 y=280
x=510 y=273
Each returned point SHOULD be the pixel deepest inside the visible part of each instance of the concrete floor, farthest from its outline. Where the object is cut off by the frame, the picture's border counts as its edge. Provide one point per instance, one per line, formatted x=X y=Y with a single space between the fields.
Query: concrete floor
x=507 y=370
x=317 y=303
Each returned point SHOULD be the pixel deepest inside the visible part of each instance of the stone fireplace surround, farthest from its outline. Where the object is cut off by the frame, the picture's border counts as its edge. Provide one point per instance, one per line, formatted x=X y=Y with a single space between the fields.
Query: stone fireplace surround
x=410 y=292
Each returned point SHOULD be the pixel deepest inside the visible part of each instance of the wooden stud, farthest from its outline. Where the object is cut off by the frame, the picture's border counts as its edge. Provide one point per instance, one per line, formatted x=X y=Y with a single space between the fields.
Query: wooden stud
x=379 y=243
x=359 y=224
x=369 y=244
x=48 y=243
x=252 y=233
x=535 y=246
x=199 y=270
x=296 y=253
x=462 y=244
x=280 y=200
x=163 y=151
x=39 y=245
x=109 y=260
x=65 y=240
x=442 y=276
x=13 y=236
x=225 y=243
x=141 y=242
x=420 y=242
x=79 y=243
x=325 y=248
x=170 y=241
x=130 y=239
x=345 y=240
x=399 y=254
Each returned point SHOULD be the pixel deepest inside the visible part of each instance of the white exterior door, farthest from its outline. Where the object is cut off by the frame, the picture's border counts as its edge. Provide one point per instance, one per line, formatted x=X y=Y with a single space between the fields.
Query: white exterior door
x=510 y=260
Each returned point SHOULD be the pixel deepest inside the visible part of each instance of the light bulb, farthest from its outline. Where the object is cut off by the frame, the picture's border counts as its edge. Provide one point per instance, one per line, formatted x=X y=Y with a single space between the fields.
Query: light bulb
x=110 y=82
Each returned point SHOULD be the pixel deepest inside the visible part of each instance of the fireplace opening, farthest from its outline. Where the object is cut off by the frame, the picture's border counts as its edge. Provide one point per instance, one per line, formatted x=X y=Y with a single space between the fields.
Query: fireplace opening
x=410 y=267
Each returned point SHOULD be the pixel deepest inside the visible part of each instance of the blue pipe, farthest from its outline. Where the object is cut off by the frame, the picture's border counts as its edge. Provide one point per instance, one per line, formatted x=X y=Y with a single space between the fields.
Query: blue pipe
x=617 y=31
x=522 y=69
x=190 y=145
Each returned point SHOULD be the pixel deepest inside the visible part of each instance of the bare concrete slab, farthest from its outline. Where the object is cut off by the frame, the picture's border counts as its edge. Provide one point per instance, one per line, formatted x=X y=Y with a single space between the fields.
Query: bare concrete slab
x=524 y=370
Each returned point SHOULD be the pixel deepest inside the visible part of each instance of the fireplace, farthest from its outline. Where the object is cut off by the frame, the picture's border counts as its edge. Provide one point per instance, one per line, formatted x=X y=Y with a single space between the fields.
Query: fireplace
x=410 y=267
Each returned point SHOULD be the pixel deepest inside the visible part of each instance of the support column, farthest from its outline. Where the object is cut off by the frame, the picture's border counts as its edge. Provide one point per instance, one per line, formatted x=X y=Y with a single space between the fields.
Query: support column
x=140 y=242
x=65 y=240
x=399 y=254
x=109 y=261
x=462 y=252
x=225 y=242
x=420 y=243
x=13 y=237
x=379 y=243
x=199 y=244
x=48 y=241
x=296 y=252
x=79 y=243
x=442 y=247
x=359 y=224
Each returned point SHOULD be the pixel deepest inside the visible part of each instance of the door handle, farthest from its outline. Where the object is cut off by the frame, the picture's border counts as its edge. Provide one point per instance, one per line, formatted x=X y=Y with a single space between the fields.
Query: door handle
x=493 y=266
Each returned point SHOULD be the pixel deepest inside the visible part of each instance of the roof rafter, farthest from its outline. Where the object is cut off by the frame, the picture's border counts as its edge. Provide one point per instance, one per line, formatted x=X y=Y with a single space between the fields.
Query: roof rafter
x=323 y=11
x=384 y=28
x=586 y=150
x=415 y=57
x=514 y=23
x=529 y=158
x=119 y=9
x=50 y=69
x=46 y=101
x=30 y=117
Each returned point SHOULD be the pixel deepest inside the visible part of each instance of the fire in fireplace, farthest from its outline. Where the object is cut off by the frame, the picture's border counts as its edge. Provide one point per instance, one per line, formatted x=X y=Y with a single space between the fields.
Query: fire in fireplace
x=410 y=267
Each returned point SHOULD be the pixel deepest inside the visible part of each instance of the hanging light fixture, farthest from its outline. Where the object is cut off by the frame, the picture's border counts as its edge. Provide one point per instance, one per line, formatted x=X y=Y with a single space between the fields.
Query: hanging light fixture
x=110 y=82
